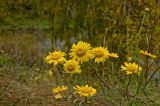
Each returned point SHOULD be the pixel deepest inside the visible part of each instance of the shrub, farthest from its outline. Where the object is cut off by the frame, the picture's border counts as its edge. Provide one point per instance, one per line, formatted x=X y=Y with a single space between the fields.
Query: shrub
x=24 y=50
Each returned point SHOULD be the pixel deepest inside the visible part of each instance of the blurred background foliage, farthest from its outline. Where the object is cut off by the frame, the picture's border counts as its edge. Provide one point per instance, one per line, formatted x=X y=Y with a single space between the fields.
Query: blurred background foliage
x=21 y=50
x=113 y=23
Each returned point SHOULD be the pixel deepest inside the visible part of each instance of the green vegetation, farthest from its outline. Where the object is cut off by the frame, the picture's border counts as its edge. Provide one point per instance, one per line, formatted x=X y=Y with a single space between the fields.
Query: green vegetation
x=29 y=29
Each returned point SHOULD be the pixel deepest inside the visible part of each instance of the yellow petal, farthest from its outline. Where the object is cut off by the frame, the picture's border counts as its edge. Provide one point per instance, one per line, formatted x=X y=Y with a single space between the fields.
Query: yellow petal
x=58 y=96
x=126 y=64
x=127 y=72
x=123 y=68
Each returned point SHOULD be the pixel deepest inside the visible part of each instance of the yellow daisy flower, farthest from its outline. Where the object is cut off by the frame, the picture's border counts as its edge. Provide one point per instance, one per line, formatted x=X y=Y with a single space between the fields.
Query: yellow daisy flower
x=114 y=55
x=72 y=66
x=131 y=68
x=81 y=52
x=100 y=54
x=59 y=89
x=146 y=53
x=56 y=57
x=85 y=90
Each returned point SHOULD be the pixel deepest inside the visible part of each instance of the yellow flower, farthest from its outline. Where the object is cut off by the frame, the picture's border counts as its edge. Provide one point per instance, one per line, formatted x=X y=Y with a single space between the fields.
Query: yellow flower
x=131 y=68
x=59 y=89
x=72 y=66
x=146 y=53
x=114 y=55
x=56 y=57
x=85 y=90
x=100 y=54
x=81 y=52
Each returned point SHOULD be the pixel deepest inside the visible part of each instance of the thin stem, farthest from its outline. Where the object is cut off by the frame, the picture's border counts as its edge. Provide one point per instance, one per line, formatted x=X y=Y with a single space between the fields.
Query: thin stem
x=142 y=23
x=127 y=87
x=140 y=29
x=86 y=100
x=151 y=64
x=151 y=77
x=55 y=75
x=139 y=85
x=62 y=95
x=146 y=72
x=104 y=82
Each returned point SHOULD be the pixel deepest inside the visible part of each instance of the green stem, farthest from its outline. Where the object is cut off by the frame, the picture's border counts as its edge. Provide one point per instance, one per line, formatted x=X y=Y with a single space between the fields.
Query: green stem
x=127 y=87
x=139 y=85
x=142 y=23
x=86 y=100
x=146 y=72
x=55 y=75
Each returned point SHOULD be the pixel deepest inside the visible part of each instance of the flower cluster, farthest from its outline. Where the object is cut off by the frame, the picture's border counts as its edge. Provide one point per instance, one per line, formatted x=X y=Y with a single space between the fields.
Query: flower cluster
x=83 y=52
x=81 y=90
x=80 y=52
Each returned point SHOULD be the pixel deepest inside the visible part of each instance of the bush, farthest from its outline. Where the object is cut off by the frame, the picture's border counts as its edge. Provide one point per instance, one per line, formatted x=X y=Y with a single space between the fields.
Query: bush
x=24 y=50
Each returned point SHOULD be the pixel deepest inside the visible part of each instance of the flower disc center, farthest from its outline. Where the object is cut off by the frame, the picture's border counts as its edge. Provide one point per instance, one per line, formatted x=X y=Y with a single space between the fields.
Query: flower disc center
x=56 y=57
x=86 y=90
x=99 y=54
x=131 y=69
x=80 y=52
x=71 y=68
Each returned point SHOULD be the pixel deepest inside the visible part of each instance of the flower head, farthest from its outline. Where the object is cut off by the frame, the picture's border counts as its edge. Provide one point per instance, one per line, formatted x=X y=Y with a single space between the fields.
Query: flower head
x=56 y=57
x=100 y=54
x=131 y=68
x=114 y=55
x=85 y=90
x=72 y=66
x=146 y=53
x=81 y=52
x=59 y=89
